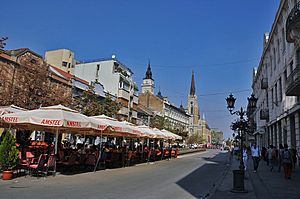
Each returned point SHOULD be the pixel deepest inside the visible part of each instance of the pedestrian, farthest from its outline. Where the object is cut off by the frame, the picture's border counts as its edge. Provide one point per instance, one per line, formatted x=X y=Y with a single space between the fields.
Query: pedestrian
x=245 y=157
x=294 y=157
x=270 y=155
x=263 y=153
x=287 y=162
x=279 y=157
x=255 y=157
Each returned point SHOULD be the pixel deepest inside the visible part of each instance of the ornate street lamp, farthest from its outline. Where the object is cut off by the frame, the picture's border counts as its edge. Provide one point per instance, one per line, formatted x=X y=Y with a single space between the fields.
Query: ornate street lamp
x=241 y=126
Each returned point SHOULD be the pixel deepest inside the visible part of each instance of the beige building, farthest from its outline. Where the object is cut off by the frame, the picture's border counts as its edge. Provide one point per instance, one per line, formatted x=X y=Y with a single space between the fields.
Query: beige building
x=61 y=58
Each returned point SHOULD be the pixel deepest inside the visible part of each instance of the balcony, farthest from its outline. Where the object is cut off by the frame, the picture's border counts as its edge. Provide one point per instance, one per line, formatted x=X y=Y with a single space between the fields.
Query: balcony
x=264 y=83
x=293 y=24
x=264 y=114
x=293 y=83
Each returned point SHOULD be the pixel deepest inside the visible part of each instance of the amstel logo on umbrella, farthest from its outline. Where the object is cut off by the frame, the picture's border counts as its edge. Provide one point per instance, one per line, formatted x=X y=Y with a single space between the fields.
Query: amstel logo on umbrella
x=10 y=119
x=51 y=122
x=73 y=124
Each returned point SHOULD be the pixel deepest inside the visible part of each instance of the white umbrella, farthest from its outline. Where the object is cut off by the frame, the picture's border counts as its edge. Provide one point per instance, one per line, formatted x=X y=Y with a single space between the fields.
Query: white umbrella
x=10 y=109
x=119 y=128
x=172 y=135
x=160 y=134
x=53 y=117
x=147 y=132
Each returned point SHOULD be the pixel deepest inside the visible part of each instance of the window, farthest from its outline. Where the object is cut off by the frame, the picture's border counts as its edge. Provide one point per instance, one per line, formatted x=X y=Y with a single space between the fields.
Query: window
x=275 y=100
x=280 y=89
x=64 y=63
x=69 y=65
x=278 y=50
x=274 y=53
x=272 y=96
x=285 y=75
x=291 y=67
x=271 y=60
x=283 y=40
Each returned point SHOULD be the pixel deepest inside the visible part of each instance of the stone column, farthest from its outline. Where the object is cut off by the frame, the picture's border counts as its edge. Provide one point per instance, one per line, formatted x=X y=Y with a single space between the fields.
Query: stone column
x=297 y=129
x=279 y=129
x=288 y=128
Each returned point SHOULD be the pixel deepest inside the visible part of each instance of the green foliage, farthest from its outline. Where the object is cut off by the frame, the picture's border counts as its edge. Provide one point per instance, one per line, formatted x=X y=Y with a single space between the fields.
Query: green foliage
x=89 y=104
x=9 y=154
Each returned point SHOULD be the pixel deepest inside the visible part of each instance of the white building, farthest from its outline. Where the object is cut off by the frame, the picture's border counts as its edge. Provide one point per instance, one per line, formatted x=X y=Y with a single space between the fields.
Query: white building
x=117 y=80
x=276 y=81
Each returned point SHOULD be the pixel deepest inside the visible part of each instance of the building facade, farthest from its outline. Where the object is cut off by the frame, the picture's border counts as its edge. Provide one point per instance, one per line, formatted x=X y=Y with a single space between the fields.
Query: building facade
x=193 y=109
x=117 y=80
x=159 y=105
x=61 y=58
x=276 y=81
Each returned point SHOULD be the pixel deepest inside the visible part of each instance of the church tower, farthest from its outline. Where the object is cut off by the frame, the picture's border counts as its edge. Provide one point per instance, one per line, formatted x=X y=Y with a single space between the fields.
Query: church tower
x=148 y=82
x=193 y=108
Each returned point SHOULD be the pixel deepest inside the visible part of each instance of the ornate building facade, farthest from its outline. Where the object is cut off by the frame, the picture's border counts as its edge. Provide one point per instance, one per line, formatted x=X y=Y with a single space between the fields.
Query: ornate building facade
x=276 y=81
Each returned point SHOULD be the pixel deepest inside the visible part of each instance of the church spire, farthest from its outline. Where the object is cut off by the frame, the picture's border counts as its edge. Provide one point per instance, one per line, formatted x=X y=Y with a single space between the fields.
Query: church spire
x=193 y=89
x=148 y=73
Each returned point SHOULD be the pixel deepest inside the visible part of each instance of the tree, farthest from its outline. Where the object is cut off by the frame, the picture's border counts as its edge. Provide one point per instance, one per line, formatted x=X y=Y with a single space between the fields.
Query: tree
x=25 y=82
x=9 y=154
x=90 y=104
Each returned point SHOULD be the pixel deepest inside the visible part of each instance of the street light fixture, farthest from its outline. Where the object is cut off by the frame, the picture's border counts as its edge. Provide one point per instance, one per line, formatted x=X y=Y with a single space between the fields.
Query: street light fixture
x=241 y=126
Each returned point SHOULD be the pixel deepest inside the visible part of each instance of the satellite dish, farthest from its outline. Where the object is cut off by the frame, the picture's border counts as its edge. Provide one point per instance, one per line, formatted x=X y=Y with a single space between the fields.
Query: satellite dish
x=113 y=56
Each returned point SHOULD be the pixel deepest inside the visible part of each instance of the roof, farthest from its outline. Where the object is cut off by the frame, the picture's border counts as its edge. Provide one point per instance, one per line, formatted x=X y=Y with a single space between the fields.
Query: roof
x=70 y=76
x=106 y=59
x=20 y=51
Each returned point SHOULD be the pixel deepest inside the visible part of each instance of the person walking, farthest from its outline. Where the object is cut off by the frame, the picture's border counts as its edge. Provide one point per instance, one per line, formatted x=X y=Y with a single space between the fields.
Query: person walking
x=269 y=157
x=287 y=162
x=245 y=157
x=255 y=157
x=294 y=157
x=279 y=157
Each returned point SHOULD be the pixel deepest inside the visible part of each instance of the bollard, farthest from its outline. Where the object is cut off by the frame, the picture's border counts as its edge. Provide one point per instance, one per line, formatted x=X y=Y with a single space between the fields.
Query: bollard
x=238 y=181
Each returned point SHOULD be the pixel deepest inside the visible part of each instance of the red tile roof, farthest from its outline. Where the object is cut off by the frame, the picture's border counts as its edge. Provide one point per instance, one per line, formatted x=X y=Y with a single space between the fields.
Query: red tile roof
x=70 y=76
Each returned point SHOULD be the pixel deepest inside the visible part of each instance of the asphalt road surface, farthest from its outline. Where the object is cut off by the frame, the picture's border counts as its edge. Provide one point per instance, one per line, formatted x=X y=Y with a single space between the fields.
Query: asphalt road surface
x=189 y=176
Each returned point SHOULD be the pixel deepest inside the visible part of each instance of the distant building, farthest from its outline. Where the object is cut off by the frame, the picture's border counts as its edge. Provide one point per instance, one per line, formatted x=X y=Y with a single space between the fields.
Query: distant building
x=199 y=130
x=117 y=80
x=217 y=137
x=61 y=58
x=159 y=105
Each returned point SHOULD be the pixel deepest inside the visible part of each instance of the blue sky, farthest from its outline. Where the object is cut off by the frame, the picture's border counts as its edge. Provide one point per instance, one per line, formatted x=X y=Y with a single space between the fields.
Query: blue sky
x=221 y=40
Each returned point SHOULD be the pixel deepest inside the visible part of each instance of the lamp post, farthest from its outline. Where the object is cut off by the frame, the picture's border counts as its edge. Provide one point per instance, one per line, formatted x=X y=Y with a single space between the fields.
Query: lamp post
x=241 y=126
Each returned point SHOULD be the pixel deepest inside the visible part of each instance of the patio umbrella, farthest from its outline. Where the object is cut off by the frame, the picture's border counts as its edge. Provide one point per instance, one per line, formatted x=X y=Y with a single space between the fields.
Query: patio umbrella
x=147 y=132
x=56 y=117
x=10 y=109
x=118 y=128
x=172 y=136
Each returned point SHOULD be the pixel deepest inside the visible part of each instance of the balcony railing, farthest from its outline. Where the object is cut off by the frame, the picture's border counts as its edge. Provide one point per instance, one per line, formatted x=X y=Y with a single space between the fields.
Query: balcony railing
x=293 y=82
x=292 y=22
x=264 y=114
x=264 y=83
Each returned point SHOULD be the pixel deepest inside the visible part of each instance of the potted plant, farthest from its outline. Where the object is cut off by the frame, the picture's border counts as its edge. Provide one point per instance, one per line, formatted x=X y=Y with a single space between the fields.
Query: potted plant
x=9 y=155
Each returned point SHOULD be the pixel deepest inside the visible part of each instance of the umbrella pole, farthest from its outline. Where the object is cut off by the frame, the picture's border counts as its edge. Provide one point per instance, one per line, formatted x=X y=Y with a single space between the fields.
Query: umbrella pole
x=100 y=153
x=55 y=149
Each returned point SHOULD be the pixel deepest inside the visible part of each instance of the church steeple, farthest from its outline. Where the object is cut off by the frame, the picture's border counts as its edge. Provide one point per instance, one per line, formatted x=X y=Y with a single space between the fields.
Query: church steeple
x=148 y=72
x=193 y=88
x=148 y=82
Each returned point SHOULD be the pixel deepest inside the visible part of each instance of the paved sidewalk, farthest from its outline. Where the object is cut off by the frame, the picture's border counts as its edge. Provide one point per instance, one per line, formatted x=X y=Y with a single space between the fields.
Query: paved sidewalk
x=224 y=189
x=261 y=185
x=269 y=184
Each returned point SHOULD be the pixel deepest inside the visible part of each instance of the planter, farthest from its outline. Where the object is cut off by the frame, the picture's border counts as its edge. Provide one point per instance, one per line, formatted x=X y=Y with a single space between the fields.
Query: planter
x=7 y=175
